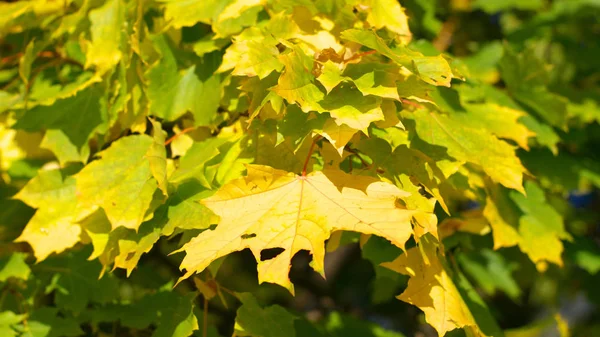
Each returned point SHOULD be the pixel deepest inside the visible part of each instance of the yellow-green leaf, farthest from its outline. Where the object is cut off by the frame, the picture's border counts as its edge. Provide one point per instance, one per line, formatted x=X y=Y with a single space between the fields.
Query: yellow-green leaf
x=121 y=181
x=389 y=14
x=104 y=52
x=541 y=227
x=157 y=156
x=431 y=69
x=348 y=106
x=297 y=83
x=53 y=227
x=338 y=135
x=477 y=146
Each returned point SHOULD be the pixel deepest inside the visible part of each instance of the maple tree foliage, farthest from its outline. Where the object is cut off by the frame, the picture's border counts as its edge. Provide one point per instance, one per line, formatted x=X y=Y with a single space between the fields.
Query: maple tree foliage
x=145 y=144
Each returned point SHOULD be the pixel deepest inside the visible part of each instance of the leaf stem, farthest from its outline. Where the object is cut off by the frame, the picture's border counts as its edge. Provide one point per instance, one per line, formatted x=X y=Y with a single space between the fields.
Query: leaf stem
x=359 y=55
x=407 y=102
x=310 y=151
x=183 y=132
x=365 y=164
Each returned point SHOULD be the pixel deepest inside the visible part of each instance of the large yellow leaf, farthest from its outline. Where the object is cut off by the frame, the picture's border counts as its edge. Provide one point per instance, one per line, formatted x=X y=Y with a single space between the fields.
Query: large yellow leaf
x=432 y=289
x=271 y=208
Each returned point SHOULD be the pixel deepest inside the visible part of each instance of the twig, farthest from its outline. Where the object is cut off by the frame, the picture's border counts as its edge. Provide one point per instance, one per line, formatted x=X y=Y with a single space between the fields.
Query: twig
x=20 y=305
x=183 y=132
x=362 y=160
x=407 y=102
x=444 y=38
x=359 y=55
x=310 y=151
x=47 y=54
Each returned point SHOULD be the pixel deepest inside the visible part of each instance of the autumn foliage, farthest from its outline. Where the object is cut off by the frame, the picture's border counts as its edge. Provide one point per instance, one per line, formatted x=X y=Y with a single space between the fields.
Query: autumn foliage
x=179 y=168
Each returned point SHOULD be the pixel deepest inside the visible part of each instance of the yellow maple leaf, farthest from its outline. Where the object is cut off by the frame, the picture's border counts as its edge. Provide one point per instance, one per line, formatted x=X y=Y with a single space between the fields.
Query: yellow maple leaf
x=54 y=227
x=338 y=134
x=271 y=208
x=432 y=289
x=389 y=14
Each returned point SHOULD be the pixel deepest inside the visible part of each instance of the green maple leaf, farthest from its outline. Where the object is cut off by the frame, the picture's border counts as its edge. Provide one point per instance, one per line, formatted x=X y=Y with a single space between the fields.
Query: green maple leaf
x=350 y=107
x=48 y=322
x=527 y=221
x=171 y=312
x=491 y=271
x=402 y=163
x=78 y=282
x=526 y=77
x=171 y=93
x=375 y=79
x=14 y=266
x=123 y=185
x=8 y=321
x=541 y=227
x=77 y=117
x=65 y=151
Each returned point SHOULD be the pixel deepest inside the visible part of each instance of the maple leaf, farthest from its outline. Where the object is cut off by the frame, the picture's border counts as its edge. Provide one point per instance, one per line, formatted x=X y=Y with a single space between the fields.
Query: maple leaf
x=227 y=16
x=375 y=79
x=123 y=185
x=538 y=228
x=171 y=93
x=330 y=75
x=350 y=107
x=271 y=208
x=403 y=165
x=106 y=22
x=389 y=14
x=14 y=267
x=431 y=69
x=496 y=158
x=252 y=56
x=77 y=117
x=338 y=135
x=297 y=83
x=54 y=226
x=121 y=247
x=500 y=212
x=157 y=156
x=526 y=77
x=503 y=121
x=58 y=142
x=432 y=289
